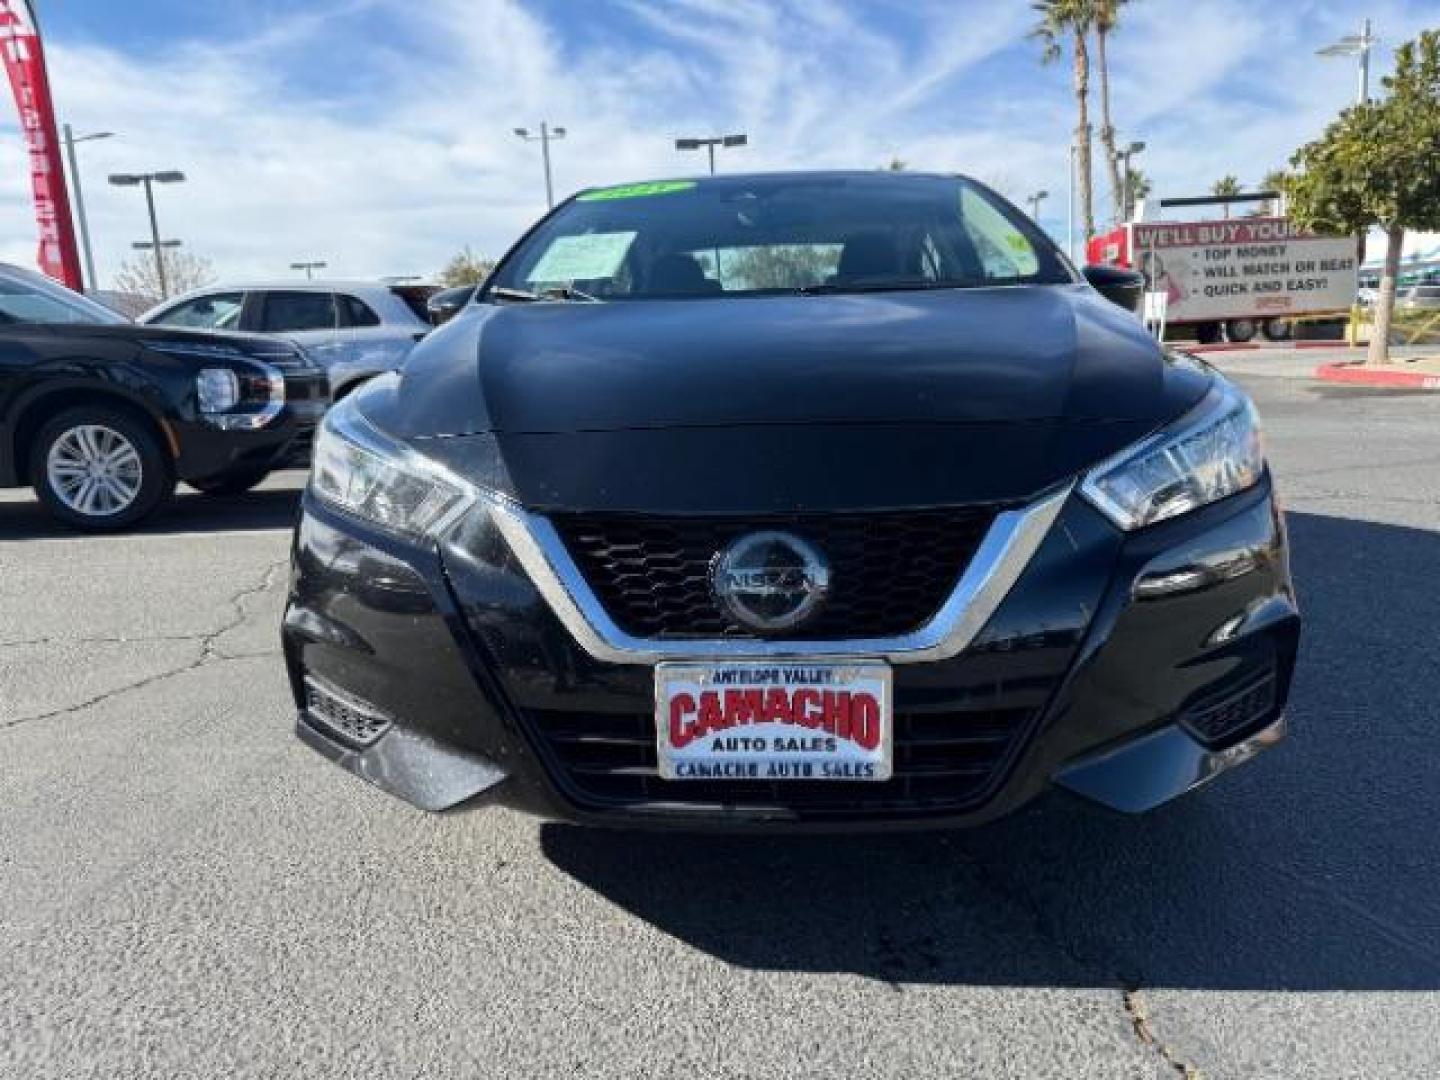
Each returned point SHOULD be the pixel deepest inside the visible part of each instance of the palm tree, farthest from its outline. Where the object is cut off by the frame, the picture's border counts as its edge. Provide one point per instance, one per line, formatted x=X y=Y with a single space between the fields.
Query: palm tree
x=1072 y=20
x=1226 y=187
x=1107 y=14
x=1139 y=187
x=1274 y=180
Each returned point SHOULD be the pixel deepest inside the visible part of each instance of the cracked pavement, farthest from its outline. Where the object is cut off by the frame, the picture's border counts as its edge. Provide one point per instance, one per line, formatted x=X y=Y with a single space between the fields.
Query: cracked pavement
x=185 y=890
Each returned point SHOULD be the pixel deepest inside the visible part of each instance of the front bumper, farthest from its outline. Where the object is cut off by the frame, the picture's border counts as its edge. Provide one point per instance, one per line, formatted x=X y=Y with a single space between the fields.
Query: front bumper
x=1127 y=668
x=285 y=442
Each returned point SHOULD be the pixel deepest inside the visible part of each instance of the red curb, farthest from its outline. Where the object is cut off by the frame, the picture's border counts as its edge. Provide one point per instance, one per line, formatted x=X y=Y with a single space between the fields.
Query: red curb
x=1231 y=346
x=1353 y=375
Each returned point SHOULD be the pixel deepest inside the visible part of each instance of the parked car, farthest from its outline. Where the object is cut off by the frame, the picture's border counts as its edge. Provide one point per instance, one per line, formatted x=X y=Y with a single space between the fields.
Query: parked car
x=355 y=330
x=811 y=500
x=1420 y=298
x=446 y=304
x=102 y=416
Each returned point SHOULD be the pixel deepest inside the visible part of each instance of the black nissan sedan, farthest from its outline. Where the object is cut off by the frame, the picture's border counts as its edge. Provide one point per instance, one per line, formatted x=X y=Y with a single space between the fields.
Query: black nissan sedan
x=791 y=501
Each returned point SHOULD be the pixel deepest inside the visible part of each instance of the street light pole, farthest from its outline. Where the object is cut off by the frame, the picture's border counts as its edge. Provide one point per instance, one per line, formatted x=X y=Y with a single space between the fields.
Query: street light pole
x=168 y=176
x=1070 y=210
x=155 y=237
x=1366 y=43
x=547 y=134
x=1133 y=148
x=70 y=139
x=1356 y=45
x=309 y=268
x=1034 y=201
x=710 y=144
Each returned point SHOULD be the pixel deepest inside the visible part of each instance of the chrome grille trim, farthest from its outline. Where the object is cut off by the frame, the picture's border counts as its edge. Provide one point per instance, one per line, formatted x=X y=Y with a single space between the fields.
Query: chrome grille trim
x=1002 y=556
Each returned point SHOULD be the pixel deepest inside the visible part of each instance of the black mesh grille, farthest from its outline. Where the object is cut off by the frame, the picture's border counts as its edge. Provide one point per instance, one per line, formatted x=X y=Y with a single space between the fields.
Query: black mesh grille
x=889 y=572
x=1219 y=719
x=345 y=717
x=944 y=760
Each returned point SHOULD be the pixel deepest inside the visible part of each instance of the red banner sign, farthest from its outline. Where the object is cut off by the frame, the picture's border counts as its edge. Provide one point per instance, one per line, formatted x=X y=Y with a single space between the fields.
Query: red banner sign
x=25 y=64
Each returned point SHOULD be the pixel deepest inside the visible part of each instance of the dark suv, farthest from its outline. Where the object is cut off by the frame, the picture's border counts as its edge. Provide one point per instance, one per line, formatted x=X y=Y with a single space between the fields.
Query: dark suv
x=102 y=417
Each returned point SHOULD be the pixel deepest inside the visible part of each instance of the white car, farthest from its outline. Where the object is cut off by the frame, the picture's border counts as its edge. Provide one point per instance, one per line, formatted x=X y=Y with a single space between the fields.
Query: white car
x=355 y=330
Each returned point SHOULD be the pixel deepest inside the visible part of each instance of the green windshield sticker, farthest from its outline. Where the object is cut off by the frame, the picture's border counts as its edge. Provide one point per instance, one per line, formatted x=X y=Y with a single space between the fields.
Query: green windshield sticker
x=637 y=191
x=582 y=257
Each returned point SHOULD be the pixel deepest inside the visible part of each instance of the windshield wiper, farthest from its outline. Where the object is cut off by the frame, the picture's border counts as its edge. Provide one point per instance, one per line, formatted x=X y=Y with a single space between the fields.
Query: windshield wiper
x=560 y=292
x=500 y=292
x=569 y=292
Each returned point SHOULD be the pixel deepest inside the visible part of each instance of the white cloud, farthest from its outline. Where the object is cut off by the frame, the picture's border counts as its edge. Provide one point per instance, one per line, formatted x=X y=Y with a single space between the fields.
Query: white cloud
x=376 y=134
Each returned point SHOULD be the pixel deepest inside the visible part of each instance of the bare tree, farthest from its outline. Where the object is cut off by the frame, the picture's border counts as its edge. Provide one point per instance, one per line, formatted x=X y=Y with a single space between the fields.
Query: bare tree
x=784 y=266
x=466 y=268
x=183 y=271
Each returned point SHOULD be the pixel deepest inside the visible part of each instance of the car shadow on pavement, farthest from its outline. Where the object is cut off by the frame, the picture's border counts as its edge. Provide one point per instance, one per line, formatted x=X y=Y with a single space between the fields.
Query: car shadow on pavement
x=1314 y=868
x=188 y=513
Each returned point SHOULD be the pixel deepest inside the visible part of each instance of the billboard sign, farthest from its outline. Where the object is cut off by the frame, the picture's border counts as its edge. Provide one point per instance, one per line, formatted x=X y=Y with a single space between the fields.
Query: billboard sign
x=1254 y=267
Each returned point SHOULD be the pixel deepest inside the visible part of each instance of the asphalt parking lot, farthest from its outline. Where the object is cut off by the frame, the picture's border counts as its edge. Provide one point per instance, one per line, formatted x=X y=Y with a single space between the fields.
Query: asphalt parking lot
x=186 y=891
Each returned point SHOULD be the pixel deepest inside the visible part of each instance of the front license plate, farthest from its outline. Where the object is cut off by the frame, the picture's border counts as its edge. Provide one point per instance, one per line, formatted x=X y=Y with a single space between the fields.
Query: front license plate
x=771 y=720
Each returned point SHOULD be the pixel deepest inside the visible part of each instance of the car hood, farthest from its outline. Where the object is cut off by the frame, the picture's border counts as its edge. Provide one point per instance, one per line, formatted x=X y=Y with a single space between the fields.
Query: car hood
x=140 y=334
x=918 y=398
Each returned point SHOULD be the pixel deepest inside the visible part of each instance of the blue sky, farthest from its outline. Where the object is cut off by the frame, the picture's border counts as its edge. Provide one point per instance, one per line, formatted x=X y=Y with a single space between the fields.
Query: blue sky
x=376 y=134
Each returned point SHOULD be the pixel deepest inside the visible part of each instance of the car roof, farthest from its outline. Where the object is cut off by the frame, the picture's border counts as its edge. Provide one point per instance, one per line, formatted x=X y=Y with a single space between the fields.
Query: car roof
x=317 y=285
x=879 y=176
x=387 y=298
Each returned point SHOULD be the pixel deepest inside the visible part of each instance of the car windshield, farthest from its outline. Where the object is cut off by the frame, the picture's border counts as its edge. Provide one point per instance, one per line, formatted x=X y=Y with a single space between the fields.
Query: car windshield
x=782 y=234
x=30 y=298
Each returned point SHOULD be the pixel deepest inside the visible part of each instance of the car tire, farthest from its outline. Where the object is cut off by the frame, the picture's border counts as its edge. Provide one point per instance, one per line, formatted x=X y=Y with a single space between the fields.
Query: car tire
x=1208 y=333
x=100 y=468
x=1277 y=329
x=232 y=483
x=1241 y=330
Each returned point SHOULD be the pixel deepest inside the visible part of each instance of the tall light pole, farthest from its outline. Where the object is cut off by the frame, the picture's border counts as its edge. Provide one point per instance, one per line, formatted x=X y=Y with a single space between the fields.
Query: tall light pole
x=710 y=144
x=168 y=176
x=1034 y=201
x=309 y=268
x=546 y=136
x=1070 y=210
x=1355 y=45
x=70 y=139
x=1124 y=156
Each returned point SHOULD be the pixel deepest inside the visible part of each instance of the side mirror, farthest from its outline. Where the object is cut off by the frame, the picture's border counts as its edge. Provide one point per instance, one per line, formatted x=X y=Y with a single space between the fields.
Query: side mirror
x=1118 y=285
x=447 y=303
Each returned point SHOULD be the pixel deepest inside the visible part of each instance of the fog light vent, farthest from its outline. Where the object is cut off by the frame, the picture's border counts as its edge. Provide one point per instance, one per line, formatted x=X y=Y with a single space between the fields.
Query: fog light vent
x=1218 y=720
x=351 y=719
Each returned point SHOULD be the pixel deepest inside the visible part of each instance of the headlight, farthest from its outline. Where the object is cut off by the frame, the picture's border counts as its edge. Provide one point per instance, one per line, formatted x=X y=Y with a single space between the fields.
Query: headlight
x=1213 y=451
x=245 y=395
x=362 y=471
x=217 y=390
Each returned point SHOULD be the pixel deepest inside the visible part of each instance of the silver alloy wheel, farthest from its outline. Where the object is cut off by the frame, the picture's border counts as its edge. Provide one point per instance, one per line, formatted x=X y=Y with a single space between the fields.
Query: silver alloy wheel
x=94 y=470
